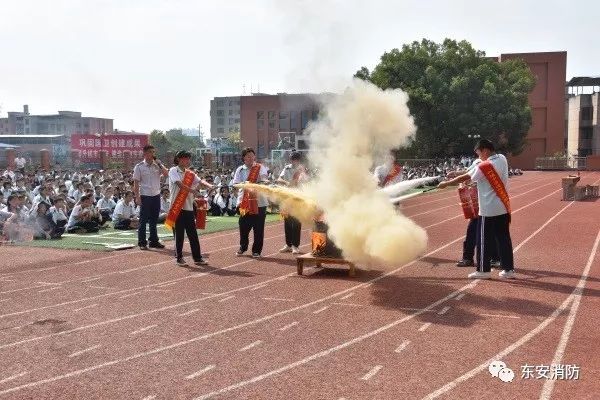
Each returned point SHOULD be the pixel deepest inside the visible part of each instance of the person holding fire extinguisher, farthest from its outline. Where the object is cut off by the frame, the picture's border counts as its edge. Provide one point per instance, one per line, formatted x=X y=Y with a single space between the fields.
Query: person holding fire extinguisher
x=183 y=185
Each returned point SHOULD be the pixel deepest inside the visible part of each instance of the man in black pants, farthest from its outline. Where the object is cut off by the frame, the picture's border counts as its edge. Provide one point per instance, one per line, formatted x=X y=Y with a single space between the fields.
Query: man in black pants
x=292 y=175
x=470 y=244
x=491 y=176
x=185 y=222
x=146 y=187
x=253 y=206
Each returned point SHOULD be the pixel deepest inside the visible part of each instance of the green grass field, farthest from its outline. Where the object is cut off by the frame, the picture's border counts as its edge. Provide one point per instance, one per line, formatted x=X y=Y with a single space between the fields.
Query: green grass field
x=115 y=237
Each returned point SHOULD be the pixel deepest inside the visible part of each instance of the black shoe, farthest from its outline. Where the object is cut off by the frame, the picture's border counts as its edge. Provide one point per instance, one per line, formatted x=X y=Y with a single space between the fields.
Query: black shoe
x=143 y=247
x=157 y=245
x=255 y=255
x=465 y=263
x=181 y=261
x=200 y=262
x=240 y=252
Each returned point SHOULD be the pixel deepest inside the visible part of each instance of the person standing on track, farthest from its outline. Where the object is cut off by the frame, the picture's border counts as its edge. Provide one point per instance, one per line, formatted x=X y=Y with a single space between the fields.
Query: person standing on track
x=183 y=185
x=491 y=177
x=252 y=206
x=390 y=172
x=292 y=175
x=146 y=188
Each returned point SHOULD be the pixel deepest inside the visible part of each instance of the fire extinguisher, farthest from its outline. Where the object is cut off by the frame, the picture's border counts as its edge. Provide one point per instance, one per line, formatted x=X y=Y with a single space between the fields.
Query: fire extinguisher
x=201 y=209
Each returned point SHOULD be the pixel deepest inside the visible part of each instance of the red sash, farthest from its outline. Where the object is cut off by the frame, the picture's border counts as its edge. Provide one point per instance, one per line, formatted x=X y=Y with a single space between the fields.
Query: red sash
x=496 y=183
x=298 y=175
x=249 y=204
x=393 y=173
x=188 y=180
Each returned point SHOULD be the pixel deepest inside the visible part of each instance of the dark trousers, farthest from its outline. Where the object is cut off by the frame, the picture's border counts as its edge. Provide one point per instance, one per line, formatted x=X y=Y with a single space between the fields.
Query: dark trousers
x=492 y=232
x=471 y=242
x=292 y=228
x=89 y=226
x=149 y=210
x=254 y=222
x=186 y=224
x=122 y=224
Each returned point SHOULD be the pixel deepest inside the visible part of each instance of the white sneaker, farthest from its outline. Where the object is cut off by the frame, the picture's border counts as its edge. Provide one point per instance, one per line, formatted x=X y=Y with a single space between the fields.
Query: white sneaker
x=295 y=250
x=480 y=275
x=507 y=274
x=285 y=249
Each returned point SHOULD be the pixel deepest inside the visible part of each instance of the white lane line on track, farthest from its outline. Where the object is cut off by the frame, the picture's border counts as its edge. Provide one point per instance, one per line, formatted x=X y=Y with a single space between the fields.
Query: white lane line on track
x=500 y=316
x=131 y=294
x=424 y=326
x=227 y=298
x=320 y=310
x=348 y=304
x=99 y=287
x=144 y=329
x=251 y=345
x=3 y=300
x=49 y=290
x=568 y=302
x=564 y=338
x=288 y=326
x=444 y=310
x=11 y=378
x=80 y=352
x=92 y=280
x=201 y=372
x=460 y=296
x=86 y=307
x=259 y=287
x=189 y=312
x=149 y=398
x=347 y=296
x=168 y=284
x=402 y=346
x=276 y=299
x=371 y=373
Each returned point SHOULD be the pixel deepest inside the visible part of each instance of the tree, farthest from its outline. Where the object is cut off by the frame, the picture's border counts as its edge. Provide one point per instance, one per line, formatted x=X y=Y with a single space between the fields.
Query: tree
x=234 y=140
x=160 y=142
x=456 y=93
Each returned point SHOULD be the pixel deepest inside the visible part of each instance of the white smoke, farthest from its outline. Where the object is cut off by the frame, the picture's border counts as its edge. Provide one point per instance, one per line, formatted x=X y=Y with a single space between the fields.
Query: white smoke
x=358 y=127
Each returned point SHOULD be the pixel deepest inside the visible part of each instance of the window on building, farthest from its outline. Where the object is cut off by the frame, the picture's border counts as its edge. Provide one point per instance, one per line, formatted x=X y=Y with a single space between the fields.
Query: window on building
x=260 y=124
x=220 y=130
x=293 y=120
x=260 y=114
x=304 y=116
x=272 y=115
x=220 y=103
x=587 y=133
x=587 y=113
x=237 y=120
x=230 y=103
x=315 y=114
x=220 y=113
x=230 y=112
x=231 y=121
x=271 y=124
x=220 y=121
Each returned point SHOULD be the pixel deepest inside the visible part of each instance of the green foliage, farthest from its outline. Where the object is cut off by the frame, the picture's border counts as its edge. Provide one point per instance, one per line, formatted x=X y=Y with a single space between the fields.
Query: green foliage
x=172 y=140
x=456 y=92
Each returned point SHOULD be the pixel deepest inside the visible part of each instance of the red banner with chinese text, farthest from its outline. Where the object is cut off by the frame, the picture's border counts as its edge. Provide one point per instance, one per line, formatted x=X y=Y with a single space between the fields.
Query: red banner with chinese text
x=90 y=146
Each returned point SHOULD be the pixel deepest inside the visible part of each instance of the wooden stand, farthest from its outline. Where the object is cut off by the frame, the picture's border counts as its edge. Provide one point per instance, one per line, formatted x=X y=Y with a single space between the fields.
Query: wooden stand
x=300 y=260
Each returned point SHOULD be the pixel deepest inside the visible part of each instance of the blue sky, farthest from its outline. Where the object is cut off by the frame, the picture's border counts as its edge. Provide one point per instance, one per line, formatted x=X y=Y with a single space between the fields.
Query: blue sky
x=156 y=64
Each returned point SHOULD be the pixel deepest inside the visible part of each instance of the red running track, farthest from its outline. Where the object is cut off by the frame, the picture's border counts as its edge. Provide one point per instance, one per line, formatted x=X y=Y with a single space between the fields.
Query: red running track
x=132 y=325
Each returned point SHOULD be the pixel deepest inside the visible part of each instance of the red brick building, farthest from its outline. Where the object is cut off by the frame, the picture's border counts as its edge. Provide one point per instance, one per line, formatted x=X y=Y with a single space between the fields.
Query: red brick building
x=547 y=101
x=270 y=122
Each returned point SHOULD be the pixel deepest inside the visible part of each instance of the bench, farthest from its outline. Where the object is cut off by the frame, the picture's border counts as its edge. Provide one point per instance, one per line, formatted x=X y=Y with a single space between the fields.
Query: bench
x=300 y=260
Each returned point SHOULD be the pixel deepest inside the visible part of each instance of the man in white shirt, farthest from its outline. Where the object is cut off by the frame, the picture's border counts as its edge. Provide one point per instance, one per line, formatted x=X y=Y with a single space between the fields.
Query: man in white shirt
x=124 y=215
x=20 y=163
x=491 y=177
x=253 y=217
x=146 y=188
x=292 y=175
x=185 y=222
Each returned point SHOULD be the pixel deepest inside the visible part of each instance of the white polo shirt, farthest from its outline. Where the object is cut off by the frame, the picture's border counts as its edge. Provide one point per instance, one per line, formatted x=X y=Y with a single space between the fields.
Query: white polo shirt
x=382 y=171
x=126 y=211
x=148 y=176
x=241 y=175
x=490 y=204
x=176 y=175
